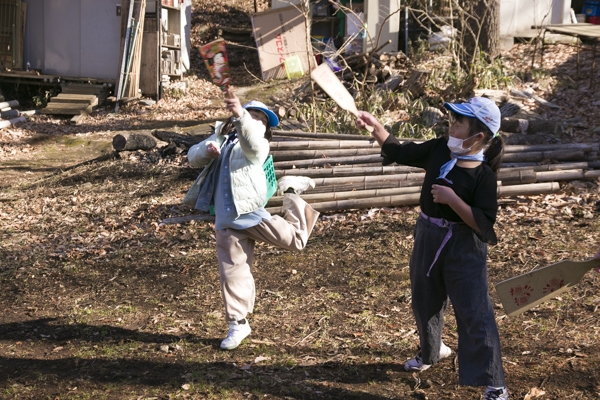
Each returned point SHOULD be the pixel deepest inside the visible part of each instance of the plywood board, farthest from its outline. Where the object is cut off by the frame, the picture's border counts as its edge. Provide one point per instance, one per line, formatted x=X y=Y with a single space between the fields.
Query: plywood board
x=279 y=34
x=149 y=78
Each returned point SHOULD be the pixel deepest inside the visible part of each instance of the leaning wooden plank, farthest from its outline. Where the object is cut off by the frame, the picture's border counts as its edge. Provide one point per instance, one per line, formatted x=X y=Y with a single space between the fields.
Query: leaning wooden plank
x=79 y=118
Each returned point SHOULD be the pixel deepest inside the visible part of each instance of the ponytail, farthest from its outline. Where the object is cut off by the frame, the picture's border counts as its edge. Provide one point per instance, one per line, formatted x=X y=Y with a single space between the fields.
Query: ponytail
x=227 y=127
x=494 y=153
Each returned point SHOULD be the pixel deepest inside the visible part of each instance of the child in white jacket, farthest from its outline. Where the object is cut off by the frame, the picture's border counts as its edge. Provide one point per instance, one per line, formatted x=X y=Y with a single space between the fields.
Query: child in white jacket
x=233 y=181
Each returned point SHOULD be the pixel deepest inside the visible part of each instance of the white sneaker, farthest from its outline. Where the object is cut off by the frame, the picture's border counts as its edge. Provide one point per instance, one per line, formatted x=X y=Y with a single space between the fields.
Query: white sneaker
x=300 y=184
x=492 y=393
x=416 y=364
x=237 y=333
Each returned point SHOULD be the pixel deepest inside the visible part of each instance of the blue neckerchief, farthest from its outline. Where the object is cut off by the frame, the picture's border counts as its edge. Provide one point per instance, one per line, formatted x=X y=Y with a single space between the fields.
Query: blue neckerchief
x=450 y=164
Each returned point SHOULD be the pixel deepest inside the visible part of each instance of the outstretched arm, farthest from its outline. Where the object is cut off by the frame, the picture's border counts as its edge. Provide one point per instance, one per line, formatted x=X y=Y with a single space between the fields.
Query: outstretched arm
x=365 y=119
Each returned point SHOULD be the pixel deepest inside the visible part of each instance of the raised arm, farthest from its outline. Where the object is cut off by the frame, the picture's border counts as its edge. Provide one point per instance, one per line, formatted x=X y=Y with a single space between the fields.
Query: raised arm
x=365 y=119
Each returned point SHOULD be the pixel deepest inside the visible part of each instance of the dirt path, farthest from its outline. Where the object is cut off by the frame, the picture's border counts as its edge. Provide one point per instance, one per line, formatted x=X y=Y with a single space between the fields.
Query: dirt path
x=99 y=300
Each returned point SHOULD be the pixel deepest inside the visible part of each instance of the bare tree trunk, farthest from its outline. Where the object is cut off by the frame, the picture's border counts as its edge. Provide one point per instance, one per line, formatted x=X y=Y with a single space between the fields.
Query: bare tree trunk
x=480 y=30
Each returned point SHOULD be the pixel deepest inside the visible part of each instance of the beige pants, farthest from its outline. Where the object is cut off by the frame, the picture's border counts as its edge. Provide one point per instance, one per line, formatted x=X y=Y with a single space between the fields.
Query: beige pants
x=235 y=251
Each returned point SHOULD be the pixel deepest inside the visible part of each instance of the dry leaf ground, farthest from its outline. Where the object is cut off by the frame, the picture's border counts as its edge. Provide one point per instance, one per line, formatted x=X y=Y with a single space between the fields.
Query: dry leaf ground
x=100 y=301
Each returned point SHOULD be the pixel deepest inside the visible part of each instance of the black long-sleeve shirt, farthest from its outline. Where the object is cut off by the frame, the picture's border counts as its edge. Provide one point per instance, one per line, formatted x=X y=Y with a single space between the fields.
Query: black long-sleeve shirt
x=475 y=186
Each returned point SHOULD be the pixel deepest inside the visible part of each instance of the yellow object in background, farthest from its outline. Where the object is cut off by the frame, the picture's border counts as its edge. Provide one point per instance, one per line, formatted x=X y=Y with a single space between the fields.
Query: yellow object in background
x=293 y=67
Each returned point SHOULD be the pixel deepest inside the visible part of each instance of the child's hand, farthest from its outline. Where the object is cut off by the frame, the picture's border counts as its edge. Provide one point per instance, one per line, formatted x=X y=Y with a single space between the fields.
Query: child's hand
x=442 y=194
x=232 y=103
x=213 y=150
x=364 y=119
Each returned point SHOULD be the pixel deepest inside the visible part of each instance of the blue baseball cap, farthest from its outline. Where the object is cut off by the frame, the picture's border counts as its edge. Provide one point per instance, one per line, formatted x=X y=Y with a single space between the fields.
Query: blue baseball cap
x=257 y=105
x=481 y=108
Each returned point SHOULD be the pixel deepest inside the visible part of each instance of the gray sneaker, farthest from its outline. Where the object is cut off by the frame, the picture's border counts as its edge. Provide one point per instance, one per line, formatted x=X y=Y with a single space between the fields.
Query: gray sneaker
x=416 y=364
x=492 y=393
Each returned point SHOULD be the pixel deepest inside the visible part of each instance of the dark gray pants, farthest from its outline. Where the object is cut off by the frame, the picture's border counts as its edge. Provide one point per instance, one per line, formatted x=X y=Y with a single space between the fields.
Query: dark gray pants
x=459 y=274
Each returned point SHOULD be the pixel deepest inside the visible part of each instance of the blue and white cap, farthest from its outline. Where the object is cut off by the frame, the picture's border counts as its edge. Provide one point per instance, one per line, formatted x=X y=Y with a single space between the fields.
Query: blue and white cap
x=257 y=105
x=481 y=108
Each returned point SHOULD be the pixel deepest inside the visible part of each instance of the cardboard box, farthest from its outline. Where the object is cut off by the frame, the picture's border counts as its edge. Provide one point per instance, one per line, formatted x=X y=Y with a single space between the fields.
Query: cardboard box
x=281 y=33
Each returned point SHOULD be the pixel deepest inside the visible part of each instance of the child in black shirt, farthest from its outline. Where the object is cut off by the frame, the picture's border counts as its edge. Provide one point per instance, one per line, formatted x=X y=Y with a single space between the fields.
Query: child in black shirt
x=458 y=211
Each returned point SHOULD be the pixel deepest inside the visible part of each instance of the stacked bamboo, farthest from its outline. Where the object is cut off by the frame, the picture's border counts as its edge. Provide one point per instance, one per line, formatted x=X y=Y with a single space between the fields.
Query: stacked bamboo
x=349 y=175
x=11 y=115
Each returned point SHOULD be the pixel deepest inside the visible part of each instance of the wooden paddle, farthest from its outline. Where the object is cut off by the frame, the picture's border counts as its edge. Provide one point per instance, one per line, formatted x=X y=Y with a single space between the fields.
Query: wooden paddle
x=330 y=83
x=525 y=291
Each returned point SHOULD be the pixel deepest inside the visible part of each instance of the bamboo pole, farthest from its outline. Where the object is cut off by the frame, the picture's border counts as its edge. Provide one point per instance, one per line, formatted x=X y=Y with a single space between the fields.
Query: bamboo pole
x=548 y=167
x=345 y=144
x=277 y=201
x=511 y=158
x=323 y=144
x=383 y=201
x=288 y=155
x=586 y=147
x=353 y=186
x=326 y=161
x=319 y=135
x=413 y=198
x=378 y=169
x=568 y=175
x=519 y=176
x=558 y=155
x=347 y=171
x=368 y=179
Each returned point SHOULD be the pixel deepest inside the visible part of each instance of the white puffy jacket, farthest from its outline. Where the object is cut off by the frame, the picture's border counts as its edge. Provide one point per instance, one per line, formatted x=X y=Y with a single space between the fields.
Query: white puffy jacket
x=248 y=180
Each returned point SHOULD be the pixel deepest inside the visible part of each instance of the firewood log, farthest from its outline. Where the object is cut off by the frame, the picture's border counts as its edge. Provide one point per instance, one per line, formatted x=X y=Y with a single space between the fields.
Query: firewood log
x=516 y=125
x=133 y=141
x=186 y=141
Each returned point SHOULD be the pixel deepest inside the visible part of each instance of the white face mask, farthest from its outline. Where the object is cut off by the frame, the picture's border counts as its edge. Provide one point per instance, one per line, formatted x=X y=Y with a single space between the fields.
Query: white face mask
x=456 y=145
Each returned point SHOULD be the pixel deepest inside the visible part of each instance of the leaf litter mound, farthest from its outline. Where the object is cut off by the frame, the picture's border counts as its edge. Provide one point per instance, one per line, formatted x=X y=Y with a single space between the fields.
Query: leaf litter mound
x=100 y=300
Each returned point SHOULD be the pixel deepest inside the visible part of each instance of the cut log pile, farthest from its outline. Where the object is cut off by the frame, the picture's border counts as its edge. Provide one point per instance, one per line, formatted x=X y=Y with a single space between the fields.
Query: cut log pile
x=349 y=175
x=10 y=115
